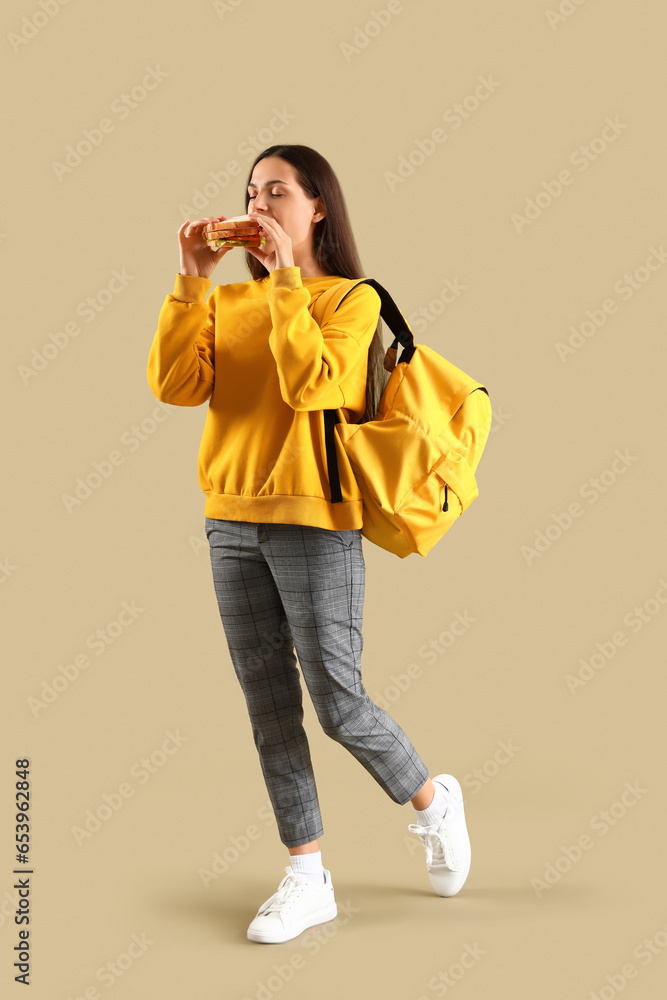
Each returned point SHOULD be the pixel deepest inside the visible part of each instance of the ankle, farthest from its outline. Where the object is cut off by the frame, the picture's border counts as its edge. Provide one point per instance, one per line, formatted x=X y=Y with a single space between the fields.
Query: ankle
x=309 y=864
x=435 y=811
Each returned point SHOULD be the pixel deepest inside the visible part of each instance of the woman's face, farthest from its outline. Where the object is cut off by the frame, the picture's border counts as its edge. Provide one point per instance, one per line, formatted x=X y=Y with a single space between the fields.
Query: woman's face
x=286 y=202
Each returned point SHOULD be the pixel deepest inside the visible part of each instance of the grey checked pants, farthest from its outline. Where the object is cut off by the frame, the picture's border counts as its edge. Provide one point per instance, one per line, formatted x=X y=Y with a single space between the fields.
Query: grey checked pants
x=282 y=587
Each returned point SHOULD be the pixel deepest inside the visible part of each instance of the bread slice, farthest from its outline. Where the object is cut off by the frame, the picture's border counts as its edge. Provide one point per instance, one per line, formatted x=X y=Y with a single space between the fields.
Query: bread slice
x=237 y=222
x=220 y=229
x=240 y=231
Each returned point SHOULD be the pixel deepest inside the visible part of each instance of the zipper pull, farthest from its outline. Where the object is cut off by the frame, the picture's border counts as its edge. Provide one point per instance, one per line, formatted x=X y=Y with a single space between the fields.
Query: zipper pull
x=445 y=505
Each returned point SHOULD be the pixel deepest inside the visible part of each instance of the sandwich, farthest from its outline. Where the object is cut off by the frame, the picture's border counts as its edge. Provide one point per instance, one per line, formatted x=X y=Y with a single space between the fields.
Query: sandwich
x=240 y=231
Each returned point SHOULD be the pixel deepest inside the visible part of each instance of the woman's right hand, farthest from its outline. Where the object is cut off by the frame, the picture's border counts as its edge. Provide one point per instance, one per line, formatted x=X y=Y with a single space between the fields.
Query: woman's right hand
x=197 y=257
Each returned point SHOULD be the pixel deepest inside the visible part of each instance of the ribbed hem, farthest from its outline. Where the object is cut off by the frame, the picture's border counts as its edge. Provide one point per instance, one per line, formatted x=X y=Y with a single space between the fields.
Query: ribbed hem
x=190 y=288
x=285 y=277
x=277 y=507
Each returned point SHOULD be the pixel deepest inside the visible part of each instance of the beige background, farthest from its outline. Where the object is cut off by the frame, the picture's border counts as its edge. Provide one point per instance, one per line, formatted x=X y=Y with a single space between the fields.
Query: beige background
x=558 y=428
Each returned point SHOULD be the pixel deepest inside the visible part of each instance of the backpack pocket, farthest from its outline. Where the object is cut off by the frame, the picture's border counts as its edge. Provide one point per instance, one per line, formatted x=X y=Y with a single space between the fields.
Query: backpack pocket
x=421 y=512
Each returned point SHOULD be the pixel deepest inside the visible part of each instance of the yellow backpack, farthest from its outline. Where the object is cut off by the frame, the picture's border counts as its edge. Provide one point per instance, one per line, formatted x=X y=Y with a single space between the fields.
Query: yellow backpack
x=415 y=461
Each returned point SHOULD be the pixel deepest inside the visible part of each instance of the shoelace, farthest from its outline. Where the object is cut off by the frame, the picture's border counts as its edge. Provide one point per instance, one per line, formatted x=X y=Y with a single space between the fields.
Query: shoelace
x=439 y=853
x=287 y=892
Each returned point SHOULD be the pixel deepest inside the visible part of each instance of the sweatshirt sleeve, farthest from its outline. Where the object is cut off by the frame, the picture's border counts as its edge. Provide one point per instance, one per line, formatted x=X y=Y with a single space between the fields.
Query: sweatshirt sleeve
x=313 y=361
x=181 y=362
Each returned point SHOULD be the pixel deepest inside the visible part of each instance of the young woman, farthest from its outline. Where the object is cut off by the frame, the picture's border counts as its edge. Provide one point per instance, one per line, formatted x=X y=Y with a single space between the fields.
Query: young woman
x=288 y=565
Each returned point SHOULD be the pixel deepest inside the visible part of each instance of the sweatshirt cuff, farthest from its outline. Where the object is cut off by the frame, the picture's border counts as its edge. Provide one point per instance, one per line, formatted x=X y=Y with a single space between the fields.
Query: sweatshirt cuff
x=285 y=277
x=191 y=288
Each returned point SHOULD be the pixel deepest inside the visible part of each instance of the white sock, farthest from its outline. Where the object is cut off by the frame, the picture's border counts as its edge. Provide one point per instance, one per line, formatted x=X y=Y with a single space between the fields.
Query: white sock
x=309 y=864
x=436 y=810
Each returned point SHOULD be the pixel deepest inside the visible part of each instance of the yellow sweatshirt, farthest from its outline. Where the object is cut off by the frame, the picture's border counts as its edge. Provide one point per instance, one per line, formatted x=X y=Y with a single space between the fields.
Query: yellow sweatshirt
x=268 y=370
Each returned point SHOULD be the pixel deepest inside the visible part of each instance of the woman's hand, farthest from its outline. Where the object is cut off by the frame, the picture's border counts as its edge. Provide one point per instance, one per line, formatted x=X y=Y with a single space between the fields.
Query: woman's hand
x=197 y=257
x=280 y=253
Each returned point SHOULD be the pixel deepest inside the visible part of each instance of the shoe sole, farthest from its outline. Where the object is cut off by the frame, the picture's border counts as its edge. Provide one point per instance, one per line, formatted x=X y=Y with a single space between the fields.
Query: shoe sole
x=453 y=787
x=320 y=917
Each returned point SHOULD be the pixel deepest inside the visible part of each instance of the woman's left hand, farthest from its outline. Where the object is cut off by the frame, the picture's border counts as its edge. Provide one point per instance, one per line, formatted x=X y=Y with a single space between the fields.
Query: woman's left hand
x=280 y=254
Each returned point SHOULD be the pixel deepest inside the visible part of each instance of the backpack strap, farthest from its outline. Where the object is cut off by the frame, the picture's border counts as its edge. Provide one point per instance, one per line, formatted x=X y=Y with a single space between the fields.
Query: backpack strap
x=393 y=317
x=328 y=301
x=326 y=305
x=390 y=314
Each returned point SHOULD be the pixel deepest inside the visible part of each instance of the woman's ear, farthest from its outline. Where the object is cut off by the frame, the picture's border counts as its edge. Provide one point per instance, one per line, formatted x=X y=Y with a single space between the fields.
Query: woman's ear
x=320 y=210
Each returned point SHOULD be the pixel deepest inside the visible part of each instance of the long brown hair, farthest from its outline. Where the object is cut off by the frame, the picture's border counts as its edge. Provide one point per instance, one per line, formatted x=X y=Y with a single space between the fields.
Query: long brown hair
x=334 y=246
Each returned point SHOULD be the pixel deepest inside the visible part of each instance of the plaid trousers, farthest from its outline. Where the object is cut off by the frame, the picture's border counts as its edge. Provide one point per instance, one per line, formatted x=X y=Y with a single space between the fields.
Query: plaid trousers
x=282 y=587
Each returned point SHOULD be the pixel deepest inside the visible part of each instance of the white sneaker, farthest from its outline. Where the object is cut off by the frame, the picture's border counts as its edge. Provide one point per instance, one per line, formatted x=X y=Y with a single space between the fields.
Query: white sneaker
x=447 y=843
x=297 y=904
